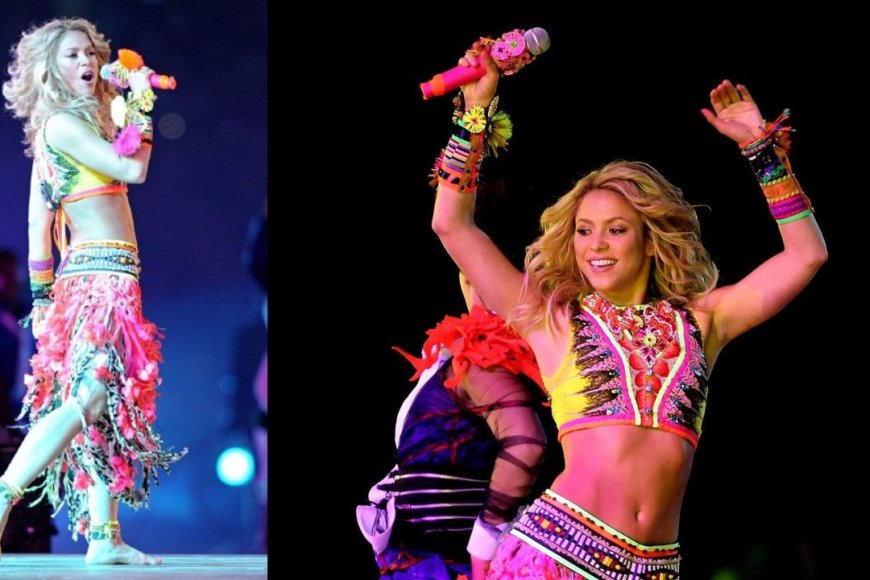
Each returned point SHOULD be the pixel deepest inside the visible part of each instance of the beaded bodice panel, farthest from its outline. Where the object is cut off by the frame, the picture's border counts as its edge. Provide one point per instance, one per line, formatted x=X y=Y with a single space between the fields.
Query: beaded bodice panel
x=642 y=365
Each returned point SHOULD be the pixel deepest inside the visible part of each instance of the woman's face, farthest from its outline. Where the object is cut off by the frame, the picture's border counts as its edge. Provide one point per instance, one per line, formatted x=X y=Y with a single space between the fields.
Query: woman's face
x=77 y=62
x=610 y=248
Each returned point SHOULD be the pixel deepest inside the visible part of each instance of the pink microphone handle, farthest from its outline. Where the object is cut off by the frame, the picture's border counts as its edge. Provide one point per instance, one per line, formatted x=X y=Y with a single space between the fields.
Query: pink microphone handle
x=454 y=78
x=164 y=82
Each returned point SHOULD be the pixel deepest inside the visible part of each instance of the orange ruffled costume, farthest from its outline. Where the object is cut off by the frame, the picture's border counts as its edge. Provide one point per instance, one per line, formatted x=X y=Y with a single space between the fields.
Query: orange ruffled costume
x=480 y=337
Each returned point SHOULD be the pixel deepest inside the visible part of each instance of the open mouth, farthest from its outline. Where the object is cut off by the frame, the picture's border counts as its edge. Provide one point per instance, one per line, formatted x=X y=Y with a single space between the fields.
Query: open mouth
x=88 y=76
x=603 y=263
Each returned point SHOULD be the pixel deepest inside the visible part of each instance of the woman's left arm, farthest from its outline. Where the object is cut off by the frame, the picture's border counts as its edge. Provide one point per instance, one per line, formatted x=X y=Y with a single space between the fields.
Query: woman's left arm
x=40 y=260
x=766 y=290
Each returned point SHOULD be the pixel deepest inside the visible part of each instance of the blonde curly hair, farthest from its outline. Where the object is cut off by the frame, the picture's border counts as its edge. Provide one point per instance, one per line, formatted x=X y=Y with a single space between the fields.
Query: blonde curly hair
x=681 y=270
x=35 y=89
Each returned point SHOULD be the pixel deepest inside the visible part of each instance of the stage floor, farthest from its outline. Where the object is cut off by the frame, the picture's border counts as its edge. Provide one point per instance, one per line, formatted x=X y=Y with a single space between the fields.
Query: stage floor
x=36 y=566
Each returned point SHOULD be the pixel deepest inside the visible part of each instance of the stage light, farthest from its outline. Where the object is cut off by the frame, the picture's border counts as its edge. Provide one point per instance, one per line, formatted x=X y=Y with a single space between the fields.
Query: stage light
x=171 y=126
x=235 y=466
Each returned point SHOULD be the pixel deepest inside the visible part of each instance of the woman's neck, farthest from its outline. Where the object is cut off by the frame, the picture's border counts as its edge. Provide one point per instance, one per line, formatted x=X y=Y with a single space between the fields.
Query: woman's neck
x=622 y=300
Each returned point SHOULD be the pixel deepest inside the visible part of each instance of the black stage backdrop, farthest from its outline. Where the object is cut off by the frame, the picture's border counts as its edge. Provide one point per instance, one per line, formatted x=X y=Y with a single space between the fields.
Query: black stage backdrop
x=772 y=474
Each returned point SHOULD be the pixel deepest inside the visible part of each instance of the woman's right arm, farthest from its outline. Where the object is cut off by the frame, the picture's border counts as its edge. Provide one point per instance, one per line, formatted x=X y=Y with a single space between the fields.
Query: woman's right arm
x=71 y=135
x=496 y=280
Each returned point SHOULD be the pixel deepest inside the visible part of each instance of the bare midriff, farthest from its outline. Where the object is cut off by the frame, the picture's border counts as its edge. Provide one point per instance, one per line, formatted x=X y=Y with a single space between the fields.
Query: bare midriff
x=102 y=217
x=631 y=478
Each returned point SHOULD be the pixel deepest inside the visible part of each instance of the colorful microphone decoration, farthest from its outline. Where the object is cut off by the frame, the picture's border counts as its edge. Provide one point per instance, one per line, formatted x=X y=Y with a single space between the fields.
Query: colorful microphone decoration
x=511 y=52
x=130 y=61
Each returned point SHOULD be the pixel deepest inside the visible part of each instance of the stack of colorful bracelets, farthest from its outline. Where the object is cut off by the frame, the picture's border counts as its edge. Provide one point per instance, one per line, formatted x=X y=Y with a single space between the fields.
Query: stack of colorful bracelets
x=136 y=130
x=41 y=283
x=768 y=157
x=482 y=131
x=41 y=280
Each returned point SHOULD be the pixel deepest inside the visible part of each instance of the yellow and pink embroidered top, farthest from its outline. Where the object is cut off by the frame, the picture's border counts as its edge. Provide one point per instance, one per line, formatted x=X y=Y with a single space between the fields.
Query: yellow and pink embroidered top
x=63 y=179
x=638 y=365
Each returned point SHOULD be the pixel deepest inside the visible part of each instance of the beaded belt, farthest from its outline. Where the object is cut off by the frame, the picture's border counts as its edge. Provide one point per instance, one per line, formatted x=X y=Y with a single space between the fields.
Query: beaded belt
x=100 y=257
x=586 y=545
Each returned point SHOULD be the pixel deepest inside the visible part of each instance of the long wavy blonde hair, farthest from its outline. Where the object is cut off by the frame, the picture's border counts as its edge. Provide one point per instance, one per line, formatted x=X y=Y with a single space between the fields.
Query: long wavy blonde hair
x=35 y=89
x=681 y=270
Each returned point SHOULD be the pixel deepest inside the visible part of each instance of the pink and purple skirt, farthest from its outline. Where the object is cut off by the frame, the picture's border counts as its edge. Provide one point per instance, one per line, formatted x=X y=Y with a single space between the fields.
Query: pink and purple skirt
x=95 y=333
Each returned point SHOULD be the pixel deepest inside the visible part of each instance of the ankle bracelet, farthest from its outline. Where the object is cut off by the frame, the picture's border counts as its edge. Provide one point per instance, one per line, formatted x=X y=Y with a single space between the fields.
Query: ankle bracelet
x=11 y=492
x=110 y=530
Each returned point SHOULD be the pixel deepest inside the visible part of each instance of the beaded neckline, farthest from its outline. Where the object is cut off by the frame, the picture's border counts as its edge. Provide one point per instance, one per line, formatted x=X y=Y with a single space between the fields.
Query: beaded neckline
x=593 y=298
x=648 y=336
x=631 y=321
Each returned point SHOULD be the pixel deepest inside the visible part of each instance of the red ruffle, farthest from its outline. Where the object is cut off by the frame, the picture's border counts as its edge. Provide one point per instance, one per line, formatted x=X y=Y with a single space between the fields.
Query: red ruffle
x=481 y=338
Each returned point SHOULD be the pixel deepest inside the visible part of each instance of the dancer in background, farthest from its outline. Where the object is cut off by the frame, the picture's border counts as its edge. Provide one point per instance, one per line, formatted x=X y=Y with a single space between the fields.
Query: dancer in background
x=469 y=444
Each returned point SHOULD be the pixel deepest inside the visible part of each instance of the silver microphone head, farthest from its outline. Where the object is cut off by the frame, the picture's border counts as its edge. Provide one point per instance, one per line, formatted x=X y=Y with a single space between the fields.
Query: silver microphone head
x=537 y=40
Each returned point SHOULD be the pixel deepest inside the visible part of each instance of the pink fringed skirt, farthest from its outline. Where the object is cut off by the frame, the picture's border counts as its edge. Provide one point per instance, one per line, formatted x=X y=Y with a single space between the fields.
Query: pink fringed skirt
x=95 y=334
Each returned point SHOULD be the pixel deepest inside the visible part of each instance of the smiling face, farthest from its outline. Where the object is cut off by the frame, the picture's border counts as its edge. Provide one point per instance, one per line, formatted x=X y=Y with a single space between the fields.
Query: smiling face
x=76 y=61
x=610 y=247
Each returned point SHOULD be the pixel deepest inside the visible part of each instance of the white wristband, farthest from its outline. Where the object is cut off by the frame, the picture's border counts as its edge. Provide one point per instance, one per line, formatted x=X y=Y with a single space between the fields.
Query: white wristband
x=483 y=542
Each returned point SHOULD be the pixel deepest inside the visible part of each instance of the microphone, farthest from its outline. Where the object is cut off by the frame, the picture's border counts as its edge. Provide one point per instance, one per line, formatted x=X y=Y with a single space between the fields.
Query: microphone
x=130 y=61
x=165 y=82
x=511 y=52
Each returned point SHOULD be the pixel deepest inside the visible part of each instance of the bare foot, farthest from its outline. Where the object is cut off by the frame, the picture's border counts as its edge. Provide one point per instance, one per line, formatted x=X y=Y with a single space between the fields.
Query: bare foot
x=109 y=552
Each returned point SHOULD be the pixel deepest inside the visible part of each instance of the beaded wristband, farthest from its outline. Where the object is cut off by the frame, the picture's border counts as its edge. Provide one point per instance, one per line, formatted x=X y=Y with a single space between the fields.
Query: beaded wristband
x=136 y=129
x=768 y=158
x=142 y=102
x=458 y=167
x=496 y=125
x=480 y=131
x=41 y=280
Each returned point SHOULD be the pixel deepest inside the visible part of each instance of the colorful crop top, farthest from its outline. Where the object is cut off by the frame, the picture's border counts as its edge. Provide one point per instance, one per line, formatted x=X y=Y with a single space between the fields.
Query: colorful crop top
x=62 y=179
x=638 y=365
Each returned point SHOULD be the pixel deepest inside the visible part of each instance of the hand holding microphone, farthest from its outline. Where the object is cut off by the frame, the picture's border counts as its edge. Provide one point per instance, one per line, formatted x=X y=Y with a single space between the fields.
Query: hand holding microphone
x=511 y=52
x=130 y=61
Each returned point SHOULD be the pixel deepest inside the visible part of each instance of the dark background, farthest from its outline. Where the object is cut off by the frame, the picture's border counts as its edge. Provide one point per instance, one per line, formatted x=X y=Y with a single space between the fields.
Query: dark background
x=774 y=476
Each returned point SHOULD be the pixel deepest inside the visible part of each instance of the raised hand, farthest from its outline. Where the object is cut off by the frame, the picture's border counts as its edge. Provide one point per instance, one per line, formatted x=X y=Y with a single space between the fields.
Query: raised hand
x=482 y=91
x=140 y=79
x=734 y=113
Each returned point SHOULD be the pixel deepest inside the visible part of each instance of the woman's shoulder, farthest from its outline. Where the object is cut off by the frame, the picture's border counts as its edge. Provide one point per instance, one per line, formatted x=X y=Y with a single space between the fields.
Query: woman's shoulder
x=63 y=130
x=551 y=343
x=62 y=122
x=704 y=306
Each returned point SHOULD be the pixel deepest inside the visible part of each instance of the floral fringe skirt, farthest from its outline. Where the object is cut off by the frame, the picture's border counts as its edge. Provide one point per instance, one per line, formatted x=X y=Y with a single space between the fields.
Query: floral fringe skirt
x=95 y=335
